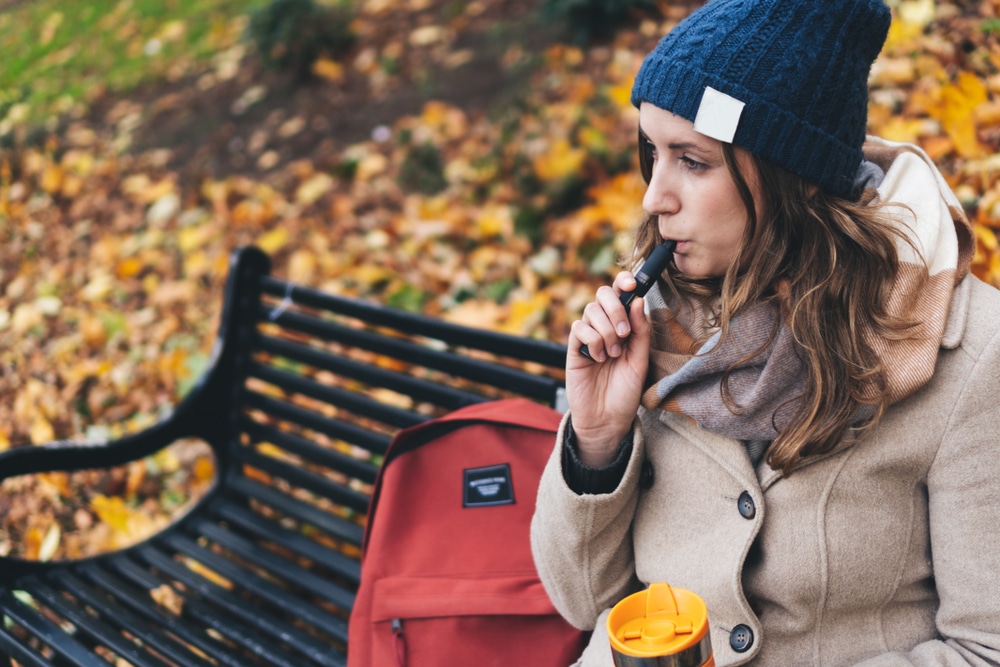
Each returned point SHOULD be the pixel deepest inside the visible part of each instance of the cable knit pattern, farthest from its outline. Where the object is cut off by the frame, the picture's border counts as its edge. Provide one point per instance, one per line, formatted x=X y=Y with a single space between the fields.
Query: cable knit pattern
x=800 y=66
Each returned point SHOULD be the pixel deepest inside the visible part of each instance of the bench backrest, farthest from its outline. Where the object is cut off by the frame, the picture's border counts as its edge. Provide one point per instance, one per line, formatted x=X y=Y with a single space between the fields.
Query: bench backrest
x=304 y=393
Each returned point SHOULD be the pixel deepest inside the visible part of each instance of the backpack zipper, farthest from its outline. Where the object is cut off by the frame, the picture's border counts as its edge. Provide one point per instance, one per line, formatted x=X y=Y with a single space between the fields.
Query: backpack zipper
x=398 y=642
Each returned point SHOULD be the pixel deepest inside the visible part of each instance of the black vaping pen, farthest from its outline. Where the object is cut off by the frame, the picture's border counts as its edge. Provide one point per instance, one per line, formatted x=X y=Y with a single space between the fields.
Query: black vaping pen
x=654 y=265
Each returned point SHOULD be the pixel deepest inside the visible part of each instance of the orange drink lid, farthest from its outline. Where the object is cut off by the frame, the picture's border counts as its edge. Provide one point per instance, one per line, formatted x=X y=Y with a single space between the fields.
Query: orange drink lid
x=660 y=621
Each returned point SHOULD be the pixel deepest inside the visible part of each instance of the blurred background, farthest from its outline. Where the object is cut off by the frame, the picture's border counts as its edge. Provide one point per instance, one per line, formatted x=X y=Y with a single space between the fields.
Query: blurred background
x=469 y=160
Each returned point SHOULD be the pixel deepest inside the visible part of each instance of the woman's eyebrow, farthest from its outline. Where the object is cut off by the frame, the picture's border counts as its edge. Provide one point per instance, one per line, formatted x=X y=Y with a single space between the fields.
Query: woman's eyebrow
x=679 y=145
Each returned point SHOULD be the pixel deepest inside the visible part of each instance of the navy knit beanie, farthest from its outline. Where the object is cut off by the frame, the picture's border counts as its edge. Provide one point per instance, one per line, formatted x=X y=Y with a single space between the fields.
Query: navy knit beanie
x=785 y=79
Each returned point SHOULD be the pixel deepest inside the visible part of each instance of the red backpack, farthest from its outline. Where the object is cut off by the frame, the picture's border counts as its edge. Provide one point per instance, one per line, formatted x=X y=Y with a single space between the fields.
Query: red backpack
x=447 y=576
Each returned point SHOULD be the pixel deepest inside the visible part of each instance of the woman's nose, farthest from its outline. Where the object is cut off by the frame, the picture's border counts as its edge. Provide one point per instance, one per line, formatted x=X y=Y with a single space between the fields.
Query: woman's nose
x=660 y=199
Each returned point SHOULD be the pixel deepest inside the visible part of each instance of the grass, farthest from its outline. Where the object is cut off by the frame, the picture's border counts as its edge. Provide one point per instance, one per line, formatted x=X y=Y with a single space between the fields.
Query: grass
x=58 y=55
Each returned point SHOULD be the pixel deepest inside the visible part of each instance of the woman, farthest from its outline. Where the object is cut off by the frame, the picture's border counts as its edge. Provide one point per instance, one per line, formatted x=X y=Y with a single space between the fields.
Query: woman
x=804 y=428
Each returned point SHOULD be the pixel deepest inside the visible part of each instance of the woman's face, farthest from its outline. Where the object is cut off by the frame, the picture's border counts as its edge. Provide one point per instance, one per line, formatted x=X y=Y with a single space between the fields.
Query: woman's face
x=692 y=195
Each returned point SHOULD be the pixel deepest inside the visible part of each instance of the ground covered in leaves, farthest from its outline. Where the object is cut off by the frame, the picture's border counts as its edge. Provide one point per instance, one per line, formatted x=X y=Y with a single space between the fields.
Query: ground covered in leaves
x=461 y=160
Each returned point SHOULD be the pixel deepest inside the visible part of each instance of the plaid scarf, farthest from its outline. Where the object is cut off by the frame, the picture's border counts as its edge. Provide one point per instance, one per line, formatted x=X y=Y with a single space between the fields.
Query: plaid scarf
x=766 y=373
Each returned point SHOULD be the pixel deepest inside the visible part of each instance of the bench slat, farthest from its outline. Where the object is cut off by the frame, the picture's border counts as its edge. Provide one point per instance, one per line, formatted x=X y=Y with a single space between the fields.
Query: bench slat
x=198 y=617
x=274 y=594
x=11 y=647
x=338 y=493
x=310 y=451
x=139 y=616
x=543 y=352
x=376 y=443
x=270 y=531
x=223 y=604
x=352 y=401
x=92 y=626
x=336 y=526
x=292 y=573
x=432 y=392
x=477 y=370
x=49 y=633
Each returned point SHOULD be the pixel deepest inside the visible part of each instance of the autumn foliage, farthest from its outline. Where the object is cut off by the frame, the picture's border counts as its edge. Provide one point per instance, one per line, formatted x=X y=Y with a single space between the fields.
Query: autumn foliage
x=113 y=255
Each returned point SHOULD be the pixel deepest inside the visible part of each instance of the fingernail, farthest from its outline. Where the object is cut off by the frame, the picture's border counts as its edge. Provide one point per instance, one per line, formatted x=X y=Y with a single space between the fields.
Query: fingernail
x=615 y=350
x=622 y=329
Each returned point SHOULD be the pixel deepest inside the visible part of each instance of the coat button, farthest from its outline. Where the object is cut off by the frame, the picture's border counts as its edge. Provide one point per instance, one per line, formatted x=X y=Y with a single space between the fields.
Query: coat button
x=646 y=475
x=746 y=506
x=741 y=638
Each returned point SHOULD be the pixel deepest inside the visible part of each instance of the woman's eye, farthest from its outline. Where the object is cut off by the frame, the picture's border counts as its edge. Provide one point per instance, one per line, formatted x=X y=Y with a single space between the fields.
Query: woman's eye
x=693 y=164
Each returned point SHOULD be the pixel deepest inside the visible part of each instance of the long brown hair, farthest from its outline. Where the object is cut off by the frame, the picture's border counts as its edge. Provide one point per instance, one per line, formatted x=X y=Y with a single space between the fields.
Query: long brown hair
x=829 y=264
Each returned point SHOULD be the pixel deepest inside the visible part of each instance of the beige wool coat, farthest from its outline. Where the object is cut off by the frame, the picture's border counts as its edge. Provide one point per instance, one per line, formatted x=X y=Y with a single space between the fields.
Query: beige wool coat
x=884 y=552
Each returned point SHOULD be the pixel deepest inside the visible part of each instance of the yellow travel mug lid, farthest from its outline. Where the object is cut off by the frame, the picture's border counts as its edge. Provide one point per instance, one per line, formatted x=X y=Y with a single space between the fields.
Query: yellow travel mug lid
x=660 y=621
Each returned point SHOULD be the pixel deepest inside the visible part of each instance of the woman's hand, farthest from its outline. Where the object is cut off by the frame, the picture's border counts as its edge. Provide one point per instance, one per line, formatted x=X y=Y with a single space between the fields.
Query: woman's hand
x=604 y=390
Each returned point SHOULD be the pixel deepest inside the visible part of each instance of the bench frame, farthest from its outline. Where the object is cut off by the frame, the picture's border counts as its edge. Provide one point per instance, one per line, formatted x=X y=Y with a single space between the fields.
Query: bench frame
x=282 y=526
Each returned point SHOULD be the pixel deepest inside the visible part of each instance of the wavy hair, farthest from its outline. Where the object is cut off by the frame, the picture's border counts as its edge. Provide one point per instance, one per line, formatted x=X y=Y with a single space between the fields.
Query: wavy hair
x=830 y=265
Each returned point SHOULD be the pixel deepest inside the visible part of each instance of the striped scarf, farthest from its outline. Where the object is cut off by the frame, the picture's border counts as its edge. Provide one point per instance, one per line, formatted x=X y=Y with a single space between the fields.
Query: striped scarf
x=767 y=375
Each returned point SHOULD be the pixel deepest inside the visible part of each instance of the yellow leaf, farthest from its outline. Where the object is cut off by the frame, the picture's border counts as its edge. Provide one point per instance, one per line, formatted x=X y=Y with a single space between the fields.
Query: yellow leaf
x=621 y=94
x=52 y=179
x=898 y=128
x=313 y=188
x=41 y=431
x=172 y=31
x=526 y=314
x=916 y=12
x=49 y=28
x=370 y=166
x=191 y=238
x=58 y=482
x=369 y=275
x=954 y=106
x=25 y=317
x=166 y=461
x=302 y=266
x=203 y=469
x=33 y=539
x=476 y=313
x=129 y=267
x=166 y=597
x=50 y=544
x=98 y=288
x=495 y=221
x=617 y=201
x=135 y=477
x=211 y=575
x=559 y=162
x=112 y=511
x=273 y=241
x=329 y=70
x=143 y=190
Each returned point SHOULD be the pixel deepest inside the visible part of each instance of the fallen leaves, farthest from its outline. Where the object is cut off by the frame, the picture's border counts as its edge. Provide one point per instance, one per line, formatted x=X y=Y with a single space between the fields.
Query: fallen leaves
x=112 y=264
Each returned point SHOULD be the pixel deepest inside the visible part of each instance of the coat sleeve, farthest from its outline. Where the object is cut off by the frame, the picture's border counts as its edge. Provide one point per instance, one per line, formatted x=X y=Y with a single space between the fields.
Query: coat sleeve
x=963 y=490
x=582 y=544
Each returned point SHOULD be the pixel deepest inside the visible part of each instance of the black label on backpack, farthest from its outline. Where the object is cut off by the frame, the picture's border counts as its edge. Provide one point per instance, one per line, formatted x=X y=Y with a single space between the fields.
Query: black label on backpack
x=485 y=487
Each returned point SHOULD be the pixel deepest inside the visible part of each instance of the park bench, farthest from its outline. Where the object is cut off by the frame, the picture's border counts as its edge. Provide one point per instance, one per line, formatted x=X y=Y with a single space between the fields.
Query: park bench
x=303 y=394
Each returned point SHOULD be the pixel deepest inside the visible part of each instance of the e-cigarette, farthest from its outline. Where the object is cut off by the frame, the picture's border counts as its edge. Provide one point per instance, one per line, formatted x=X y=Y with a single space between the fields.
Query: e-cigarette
x=654 y=265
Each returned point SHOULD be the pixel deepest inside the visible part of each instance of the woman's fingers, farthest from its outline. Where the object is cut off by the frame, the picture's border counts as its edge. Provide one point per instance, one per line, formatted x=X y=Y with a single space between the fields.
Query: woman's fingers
x=605 y=324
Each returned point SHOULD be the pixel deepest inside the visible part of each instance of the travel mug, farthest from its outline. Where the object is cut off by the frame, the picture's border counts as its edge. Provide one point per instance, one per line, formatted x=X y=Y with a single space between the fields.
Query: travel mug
x=660 y=627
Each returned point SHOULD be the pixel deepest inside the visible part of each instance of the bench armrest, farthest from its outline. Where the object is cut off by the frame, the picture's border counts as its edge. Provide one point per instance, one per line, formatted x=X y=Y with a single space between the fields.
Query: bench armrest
x=70 y=455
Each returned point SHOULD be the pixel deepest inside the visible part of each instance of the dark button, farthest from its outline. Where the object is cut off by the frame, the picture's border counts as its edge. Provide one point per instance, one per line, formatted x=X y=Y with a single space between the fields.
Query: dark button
x=745 y=504
x=646 y=475
x=741 y=638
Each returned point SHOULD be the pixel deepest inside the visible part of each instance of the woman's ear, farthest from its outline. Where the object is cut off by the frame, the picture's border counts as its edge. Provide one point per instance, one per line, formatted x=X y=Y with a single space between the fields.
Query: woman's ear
x=811 y=190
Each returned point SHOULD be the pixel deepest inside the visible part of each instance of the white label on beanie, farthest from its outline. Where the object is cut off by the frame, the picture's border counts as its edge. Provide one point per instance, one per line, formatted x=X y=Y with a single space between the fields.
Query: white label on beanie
x=718 y=115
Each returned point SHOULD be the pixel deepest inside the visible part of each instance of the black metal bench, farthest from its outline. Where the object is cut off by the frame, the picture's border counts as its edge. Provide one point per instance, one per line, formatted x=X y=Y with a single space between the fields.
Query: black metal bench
x=266 y=565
